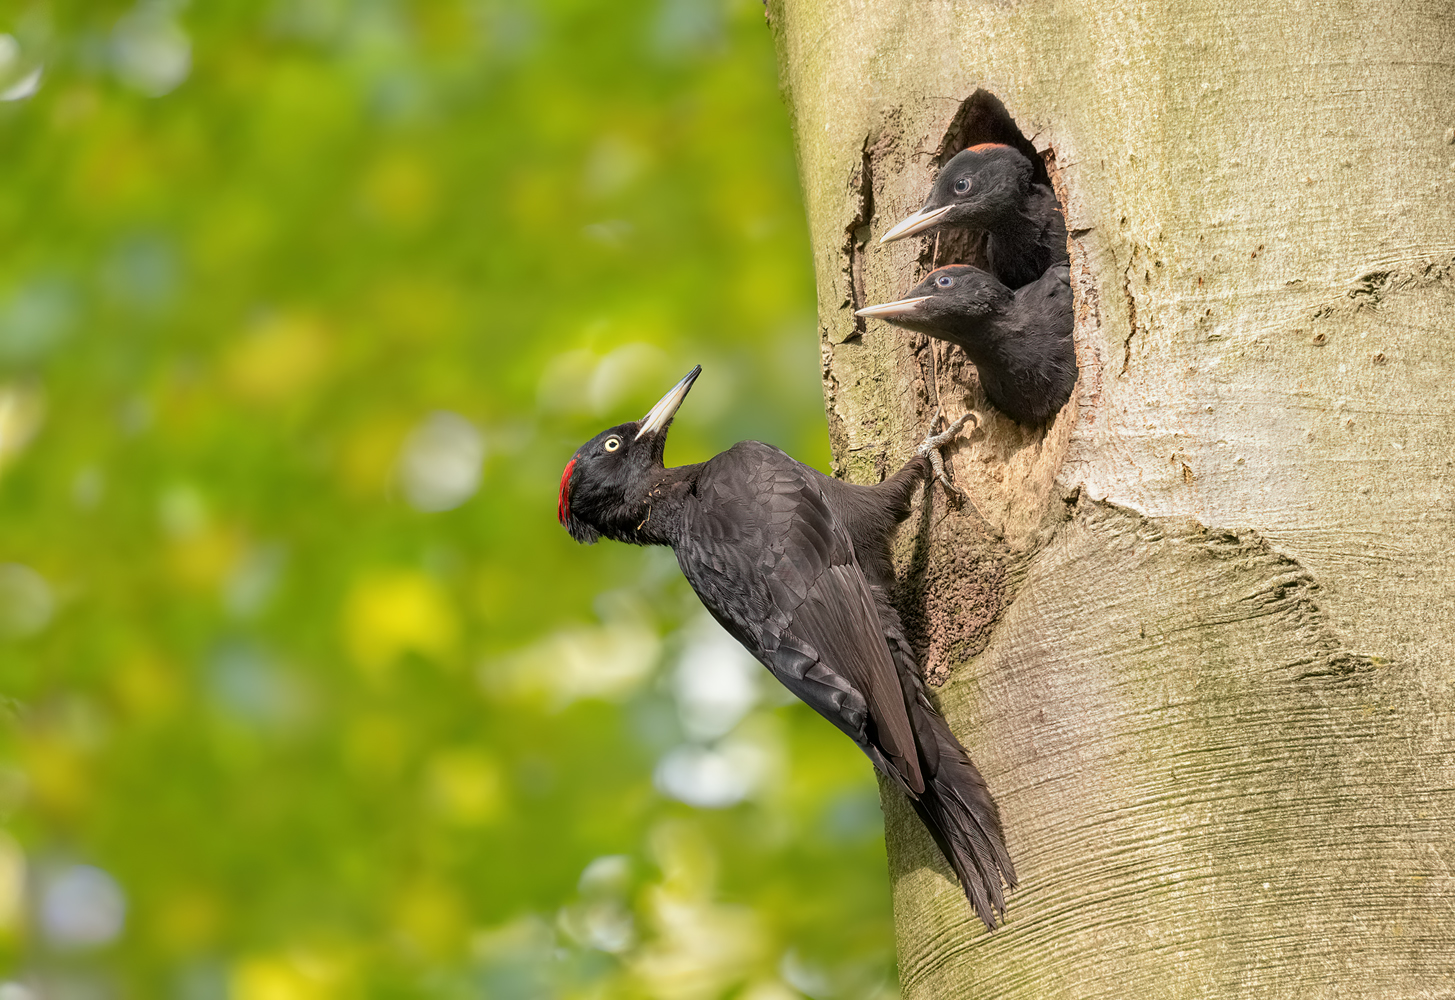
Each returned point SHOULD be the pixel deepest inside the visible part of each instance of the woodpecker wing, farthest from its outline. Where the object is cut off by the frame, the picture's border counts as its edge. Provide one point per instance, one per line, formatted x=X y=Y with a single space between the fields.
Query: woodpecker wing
x=775 y=565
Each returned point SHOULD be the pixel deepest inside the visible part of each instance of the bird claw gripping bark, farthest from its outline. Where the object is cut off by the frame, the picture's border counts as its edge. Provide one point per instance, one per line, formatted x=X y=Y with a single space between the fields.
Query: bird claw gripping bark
x=932 y=444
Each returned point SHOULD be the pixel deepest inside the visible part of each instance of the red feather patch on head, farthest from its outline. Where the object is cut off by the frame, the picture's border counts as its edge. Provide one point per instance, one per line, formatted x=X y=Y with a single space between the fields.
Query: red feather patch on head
x=985 y=146
x=563 y=502
x=944 y=267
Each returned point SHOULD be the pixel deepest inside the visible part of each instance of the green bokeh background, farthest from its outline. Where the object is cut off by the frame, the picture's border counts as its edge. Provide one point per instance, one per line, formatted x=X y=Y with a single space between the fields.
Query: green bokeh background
x=278 y=280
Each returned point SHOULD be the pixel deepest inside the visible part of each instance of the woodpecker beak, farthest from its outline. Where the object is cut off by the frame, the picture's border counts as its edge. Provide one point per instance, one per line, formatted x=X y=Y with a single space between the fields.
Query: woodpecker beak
x=920 y=220
x=659 y=416
x=893 y=310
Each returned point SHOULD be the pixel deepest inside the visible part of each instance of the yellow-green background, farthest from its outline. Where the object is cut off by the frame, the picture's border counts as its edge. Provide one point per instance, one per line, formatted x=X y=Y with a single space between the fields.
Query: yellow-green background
x=327 y=744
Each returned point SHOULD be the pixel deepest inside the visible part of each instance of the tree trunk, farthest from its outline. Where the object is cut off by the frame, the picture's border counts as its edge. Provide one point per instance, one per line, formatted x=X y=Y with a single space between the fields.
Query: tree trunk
x=1199 y=636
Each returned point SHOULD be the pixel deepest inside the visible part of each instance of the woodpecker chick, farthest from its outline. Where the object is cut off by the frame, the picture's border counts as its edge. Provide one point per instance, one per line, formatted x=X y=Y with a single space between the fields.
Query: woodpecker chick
x=989 y=188
x=1020 y=341
x=796 y=567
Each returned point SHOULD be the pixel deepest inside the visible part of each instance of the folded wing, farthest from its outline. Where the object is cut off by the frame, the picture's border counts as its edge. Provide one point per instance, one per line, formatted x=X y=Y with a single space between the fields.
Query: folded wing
x=773 y=562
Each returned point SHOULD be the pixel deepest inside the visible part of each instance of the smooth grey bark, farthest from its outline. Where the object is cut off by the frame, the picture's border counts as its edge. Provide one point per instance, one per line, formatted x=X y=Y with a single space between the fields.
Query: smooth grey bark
x=1202 y=642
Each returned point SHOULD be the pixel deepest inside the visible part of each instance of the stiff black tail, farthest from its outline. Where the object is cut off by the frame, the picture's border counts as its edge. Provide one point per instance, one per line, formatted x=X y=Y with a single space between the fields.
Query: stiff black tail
x=956 y=805
x=957 y=808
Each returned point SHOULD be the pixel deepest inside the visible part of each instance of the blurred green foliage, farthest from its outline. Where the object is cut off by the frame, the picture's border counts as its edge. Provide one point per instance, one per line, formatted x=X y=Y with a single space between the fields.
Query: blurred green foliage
x=304 y=304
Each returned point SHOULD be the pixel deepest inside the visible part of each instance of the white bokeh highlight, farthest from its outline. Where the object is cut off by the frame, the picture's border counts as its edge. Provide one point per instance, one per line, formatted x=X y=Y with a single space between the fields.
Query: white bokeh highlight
x=600 y=919
x=583 y=382
x=713 y=777
x=26 y=601
x=716 y=682
x=149 y=50
x=608 y=662
x=12 y=885
x=17 y=81
x=81 y=906
x=441 y=464
x=22 y=411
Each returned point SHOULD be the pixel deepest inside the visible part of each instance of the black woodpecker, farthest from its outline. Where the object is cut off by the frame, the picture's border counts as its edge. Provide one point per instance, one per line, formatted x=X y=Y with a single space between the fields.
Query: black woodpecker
x=796 y=566
x=989 y=188
x=1019 y=340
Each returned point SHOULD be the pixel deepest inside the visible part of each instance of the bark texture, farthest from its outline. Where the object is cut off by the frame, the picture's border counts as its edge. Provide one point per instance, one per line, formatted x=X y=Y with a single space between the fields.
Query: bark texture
x=1201 y=641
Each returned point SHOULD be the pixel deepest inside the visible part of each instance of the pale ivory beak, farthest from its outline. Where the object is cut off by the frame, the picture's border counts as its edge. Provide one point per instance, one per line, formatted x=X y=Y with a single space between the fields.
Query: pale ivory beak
x=892 y=310
x=660 y=415
x=920 y=220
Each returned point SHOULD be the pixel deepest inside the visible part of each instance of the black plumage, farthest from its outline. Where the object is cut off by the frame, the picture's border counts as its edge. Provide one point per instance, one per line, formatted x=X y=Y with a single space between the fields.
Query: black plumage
x=795 y=565
x=991 y=189
x=1019 y=340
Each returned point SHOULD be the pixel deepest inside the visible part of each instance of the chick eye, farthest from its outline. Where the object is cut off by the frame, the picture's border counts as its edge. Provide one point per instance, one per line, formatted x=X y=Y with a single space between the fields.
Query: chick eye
x=944 y=281
x=962 y=185
x=612 y=444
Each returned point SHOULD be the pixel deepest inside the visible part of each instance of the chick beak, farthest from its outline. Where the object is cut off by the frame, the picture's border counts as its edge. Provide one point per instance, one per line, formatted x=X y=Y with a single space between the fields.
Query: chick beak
x=659 y=416
x=921 y=220
x=898 y=309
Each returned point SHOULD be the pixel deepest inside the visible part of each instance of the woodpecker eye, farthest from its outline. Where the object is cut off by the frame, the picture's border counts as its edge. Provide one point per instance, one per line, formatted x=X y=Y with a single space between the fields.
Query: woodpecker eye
x=612 y=443
x=944 y=281
x=962 y=185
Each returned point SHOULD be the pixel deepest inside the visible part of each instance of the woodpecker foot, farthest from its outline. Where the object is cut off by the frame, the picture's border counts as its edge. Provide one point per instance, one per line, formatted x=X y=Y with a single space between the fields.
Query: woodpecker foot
x=932 y=444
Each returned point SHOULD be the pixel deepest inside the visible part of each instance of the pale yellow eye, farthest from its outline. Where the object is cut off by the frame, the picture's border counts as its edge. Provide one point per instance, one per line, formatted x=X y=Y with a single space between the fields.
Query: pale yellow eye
x=612 y=444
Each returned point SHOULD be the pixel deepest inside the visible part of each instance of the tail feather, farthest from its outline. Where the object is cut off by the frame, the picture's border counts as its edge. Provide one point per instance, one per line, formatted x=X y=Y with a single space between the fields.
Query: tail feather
x=956 y=805
x=959 y=780
x=958 y=810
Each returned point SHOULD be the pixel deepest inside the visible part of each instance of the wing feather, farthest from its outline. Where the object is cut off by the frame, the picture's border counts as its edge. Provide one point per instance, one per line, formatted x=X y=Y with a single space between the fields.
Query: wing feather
x=775 y=564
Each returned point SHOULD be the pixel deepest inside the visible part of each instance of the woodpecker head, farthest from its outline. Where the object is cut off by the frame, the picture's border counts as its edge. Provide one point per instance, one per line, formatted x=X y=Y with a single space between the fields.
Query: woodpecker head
x=955 y=300
x=606 y=482
x=979 y=186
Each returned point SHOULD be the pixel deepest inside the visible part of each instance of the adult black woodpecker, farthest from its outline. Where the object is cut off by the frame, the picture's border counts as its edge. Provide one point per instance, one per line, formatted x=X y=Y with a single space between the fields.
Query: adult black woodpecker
x=1019 y=340
x=796 y=566
x=989 y=188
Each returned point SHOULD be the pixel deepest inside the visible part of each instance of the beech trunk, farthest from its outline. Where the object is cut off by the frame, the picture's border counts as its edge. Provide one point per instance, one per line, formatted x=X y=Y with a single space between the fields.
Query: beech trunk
x=1198 y=632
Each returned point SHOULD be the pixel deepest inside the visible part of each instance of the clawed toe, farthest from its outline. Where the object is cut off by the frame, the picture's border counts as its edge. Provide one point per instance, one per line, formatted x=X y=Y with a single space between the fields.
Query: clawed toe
x=939 y=466
x=930 y=448
x=933 y=442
